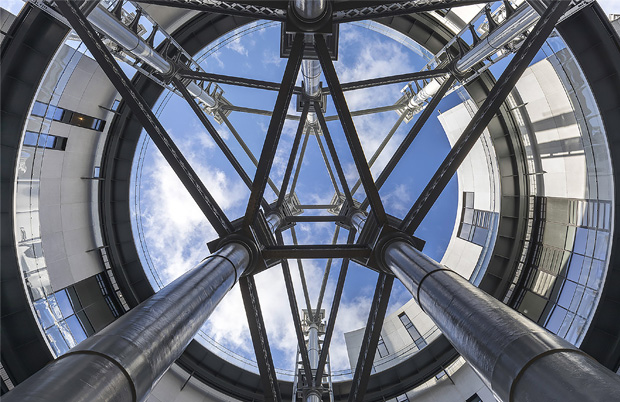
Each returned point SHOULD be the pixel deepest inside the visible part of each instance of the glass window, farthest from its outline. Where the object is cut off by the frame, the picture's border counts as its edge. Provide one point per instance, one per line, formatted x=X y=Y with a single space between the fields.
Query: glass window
x=574 y=269
x=474 y=398
x=465 y=231
x=596 y=274
x=44 y=313
x=469 y=200
x=480 y=236
x=58 y=342
x=39 y=109
x=31 y=138
x=556 y=319
x=76 y=328
x=115 y=104
x=581 y=237
x=64 y=303
x=566 y=296
x=381 y=348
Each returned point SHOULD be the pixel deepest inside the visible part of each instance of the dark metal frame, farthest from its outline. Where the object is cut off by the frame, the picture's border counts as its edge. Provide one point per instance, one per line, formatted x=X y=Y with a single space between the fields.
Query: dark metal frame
x=215 y=215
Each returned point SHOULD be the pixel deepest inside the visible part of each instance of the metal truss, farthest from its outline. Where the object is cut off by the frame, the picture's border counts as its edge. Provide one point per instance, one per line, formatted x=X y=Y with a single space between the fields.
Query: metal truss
x=276 y=250
x=257 y=9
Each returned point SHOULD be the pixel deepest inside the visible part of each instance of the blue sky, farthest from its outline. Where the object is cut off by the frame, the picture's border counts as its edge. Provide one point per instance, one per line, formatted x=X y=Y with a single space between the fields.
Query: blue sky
x=176 y=233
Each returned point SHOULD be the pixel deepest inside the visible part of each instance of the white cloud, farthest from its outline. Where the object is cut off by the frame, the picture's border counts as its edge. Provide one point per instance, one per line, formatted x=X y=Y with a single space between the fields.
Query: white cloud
x=610 y=6
x=175 y=228
x=13 y=6
x=238 y=47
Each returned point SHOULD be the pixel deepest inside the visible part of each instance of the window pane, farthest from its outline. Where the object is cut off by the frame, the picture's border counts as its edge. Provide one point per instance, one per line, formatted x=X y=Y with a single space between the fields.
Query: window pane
x=480 y=236
x=31 y=138
x=468 y=215
x=574 y=269
x=566 y=296
x=465 y=231
x=50 y=141
x=556 y=319
x=59 y=344
x=44 y=313
x=39 y=109
x=64 y=303
x=76 y=328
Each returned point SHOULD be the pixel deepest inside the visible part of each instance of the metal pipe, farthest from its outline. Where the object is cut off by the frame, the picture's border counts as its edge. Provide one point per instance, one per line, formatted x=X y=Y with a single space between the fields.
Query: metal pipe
x=131 y=42
x=274 y=220
x=516 y=358
x=429 y=90
x=310 y=10
x=134 y=44
x=358 y=219
x=314 y=394
x=516 y=24
x=125 y=360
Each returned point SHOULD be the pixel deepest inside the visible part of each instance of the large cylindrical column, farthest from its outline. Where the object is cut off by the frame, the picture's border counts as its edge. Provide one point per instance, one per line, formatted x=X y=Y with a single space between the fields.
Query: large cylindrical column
x=313 y=355
x=310 y=10
x=519 y=360
x=123 y=361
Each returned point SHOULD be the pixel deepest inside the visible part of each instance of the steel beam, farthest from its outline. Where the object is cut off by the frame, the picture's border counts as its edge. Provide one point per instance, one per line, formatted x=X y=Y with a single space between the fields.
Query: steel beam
x=123 y=361
x=269 y=11
x=291 y=159
x=258 y=332
x=371 y=337
x=349 y=129
x=328 y=266
x=290 y=290
x=147 y=118
x=519 y=360
x=274 y=130
x=331 y=322
x=483 y=116
x=333 y=153
x=394 y=79
x=381 y=147
x=313 y=218
x=326 y=161
x=348 y=11
x=413 y=132
x=247 y=150
x=215 y=135
x=259 y=112
x=302 y=275
x=314 y=251
x=302 y=153
x=226 y=79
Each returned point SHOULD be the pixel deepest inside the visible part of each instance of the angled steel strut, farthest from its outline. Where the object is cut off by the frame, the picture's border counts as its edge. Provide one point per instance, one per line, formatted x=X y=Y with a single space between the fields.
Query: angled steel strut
x=147 y=118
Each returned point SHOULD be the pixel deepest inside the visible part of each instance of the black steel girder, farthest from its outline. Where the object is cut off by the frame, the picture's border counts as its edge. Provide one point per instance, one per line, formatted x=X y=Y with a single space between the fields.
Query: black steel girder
x=394 y=79
x=348 y=11
x=258 y=10
x=274 y=130
x=349 y=128
x=315 y=251
x=290 y=290
x=328 y=266
x=291 y=159
x=226 y=79
x=215 y=135
x=147 y=118
x=380 y=148
x=371 y=337
x=483 y=116
x=258 y=332
x=331 y=322
x=333 y=153
x=413 y=132
x=313 y=218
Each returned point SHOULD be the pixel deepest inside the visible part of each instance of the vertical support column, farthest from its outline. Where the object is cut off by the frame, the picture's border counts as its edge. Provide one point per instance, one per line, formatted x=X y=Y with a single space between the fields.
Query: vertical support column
x=518 y=360
x=314 y=395
x=124 y=361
